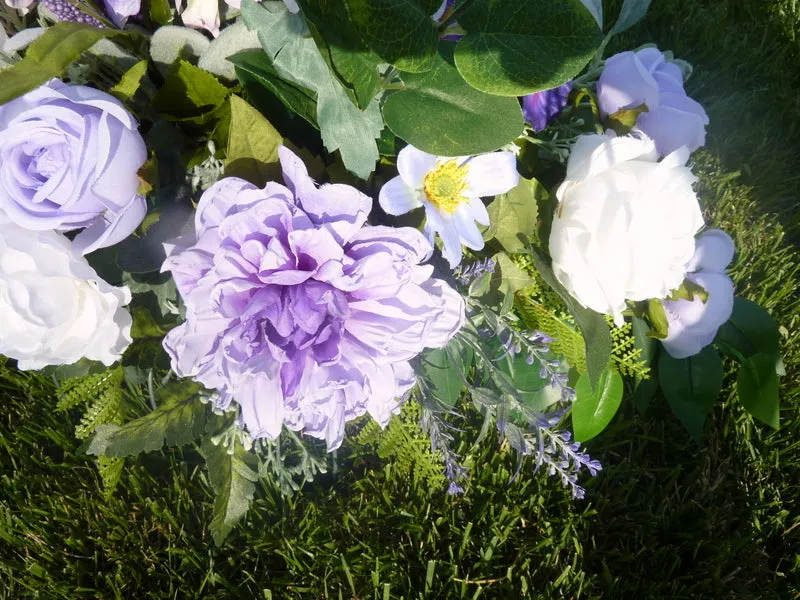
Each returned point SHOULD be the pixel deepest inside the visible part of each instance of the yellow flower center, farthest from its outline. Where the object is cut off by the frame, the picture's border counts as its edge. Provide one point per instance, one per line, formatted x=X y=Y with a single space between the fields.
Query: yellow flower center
x=444 y=186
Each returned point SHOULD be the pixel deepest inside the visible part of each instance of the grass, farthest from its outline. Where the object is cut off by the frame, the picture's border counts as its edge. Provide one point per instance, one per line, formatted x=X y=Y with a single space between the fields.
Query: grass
x=668 y=518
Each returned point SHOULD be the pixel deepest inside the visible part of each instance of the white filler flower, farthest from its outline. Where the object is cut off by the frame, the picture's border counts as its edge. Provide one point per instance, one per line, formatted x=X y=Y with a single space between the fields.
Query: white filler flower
x=450 y=189
x=54 y=308
x=625 y=224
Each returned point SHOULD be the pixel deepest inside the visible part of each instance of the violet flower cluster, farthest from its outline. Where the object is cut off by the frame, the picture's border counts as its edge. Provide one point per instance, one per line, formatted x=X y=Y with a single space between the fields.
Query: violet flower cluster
x=299 y=312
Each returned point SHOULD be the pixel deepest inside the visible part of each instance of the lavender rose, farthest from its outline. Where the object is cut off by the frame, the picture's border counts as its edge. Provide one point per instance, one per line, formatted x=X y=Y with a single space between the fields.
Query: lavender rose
x=300 y=313
x=69 y=157
x=631 y=79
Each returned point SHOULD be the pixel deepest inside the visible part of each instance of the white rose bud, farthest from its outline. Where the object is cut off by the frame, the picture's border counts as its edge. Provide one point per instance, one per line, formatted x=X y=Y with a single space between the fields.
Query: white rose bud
x=625 y=224
x=54 y=308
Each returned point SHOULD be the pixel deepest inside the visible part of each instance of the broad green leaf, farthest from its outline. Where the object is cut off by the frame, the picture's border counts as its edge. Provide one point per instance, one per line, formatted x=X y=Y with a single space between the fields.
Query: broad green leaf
x=645 y=388
x=144 y=325
x=401 y=32
x=515 y=213
x=129 y=83
x=439 y=113
x=347 y=55
x=511 y=279
x=632 y=12
x=179 y=419
x=232 y=478
x=593 y=326
x=49 y=56
x=595 y=8
x=658 y=319
x=189 y=93
x=517 y=48
x=160 y=12
x=295 y=56
x=534 y=391
x=252 y=145
x=757 y=385
x=691 y=386
x=595 y=406
x=443 y=376
x=750 y=330
x=254 y=70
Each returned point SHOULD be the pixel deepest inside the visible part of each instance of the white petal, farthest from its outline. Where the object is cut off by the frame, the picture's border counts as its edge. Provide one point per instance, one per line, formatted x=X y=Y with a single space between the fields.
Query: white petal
x=593 y=154
x=491 y=174
x=467 y=230
x=397 y=198
x=413 y=164
x=478 y=211
x=448 y=231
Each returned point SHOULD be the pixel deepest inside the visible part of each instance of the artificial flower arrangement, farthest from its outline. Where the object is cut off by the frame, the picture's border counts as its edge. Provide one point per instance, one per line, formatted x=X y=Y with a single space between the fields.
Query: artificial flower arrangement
x=507 y=226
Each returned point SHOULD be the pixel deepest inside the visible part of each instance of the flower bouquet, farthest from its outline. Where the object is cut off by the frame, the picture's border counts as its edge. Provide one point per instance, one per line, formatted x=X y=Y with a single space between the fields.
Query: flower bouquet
x=279 y=221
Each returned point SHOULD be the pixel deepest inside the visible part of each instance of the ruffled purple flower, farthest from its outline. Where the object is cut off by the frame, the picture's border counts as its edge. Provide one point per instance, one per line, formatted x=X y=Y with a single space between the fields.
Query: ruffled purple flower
x=693 y=324
x=299 y=312
x=541 y=108
x=69 y=156
x=672 y=120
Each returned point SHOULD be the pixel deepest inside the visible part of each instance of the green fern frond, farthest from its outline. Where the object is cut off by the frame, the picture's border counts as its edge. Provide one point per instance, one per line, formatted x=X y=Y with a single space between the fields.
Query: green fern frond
x=110 y=469
x=567 y=340
x=626 y=358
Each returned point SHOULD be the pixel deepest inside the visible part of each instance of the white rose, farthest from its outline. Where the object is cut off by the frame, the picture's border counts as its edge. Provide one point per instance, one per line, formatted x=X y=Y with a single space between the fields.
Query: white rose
x=625 y=224
x=54 y=308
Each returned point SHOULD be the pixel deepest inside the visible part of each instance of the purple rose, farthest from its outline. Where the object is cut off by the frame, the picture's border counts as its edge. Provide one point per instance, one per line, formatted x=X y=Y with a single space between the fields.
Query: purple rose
x=631 y=79
x=69 y=157
x=297 y=311
x=542 y=107
x=693 y=324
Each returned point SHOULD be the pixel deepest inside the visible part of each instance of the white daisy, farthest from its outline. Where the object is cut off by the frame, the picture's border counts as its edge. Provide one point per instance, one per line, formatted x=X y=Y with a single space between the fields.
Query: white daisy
x=450 y=189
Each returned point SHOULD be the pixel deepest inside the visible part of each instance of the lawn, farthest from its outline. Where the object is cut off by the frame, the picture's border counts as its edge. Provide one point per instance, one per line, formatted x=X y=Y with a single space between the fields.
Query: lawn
x=667 y=518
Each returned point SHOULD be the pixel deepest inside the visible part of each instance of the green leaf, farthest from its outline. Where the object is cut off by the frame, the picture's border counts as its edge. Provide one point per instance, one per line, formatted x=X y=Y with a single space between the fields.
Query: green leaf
x=511 y=279
x=593 y=326
x=757 y=385
x=691 y=386
x=294 y=55
x=49 y=56
x=160 y=12
x=252 y=145
x=401 y=32
x=189 y=93
x=517 y=48
x=439 y=113
x=255 y=70
x=750 y=330
x=632 y=12
x=348 y=57
x=515 y=213
x=129 y=83
x=658 y=319
x=443 y=376
x=595 y=406
x=232 y=477
x=622 y=121
x=179 y=419
x=144 y=325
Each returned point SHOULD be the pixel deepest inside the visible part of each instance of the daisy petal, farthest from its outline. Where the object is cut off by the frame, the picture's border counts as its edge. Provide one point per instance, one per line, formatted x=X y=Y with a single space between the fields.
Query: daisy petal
x=397 y=198
x=467 y=230
x=491 y=174
x=413 y=164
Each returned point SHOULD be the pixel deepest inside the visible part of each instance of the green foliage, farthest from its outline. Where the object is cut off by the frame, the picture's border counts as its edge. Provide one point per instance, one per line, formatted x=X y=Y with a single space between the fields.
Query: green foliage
x=750 y=330
x=297 y=59
x=515 y=214
x=401 y=32
x=49 y=56
x=757 y=386
x=632 y=12
x=437 y=112
x=566 y=340
x=179 y=419
x=445 y=379
x=231 y=474
x=190 y=95
x=691 y=386
x=130 y=81
x=627 y=356
x=252 y=151
x=513 y=49
x=594 y=407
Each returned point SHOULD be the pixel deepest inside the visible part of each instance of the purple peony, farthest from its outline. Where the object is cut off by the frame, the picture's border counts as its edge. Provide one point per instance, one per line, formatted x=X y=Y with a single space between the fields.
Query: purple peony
x=631 y=79
x=542 y=107
x=69 y=156
x=300 y=313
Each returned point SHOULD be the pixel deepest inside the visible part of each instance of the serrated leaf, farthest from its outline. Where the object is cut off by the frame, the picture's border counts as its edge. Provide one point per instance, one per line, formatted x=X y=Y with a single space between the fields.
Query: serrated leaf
x=595 y=406
x=295 y=56
x=190 y=93
x=757 y=385
x=179 y=419
x=439 y=113
x=401 y=32
x=233 y=480
x=130 y=81
x=518 y=48
x=750 y=330
x=631 y=13
x=515 y=213
x=253 y=144
x=691 y=386
x=593 y=326
x=49 y=56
